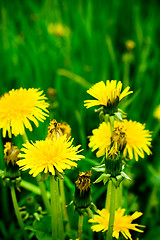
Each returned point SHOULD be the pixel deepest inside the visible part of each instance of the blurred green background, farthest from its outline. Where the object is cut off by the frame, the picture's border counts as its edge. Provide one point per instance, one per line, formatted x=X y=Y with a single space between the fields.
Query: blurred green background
x=69 y=46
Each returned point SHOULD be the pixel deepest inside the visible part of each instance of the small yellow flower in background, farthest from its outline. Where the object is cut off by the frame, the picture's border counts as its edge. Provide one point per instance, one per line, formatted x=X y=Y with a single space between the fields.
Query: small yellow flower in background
x=106 y=95
x=122 y=223
x=137 y=139
x=49 y=156
x=156 y=113
x=19 y=107
x=130 y=44
x=58 y=29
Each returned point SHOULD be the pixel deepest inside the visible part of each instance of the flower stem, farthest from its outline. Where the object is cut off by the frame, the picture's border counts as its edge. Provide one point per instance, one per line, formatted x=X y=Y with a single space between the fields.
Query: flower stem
x=17 y=212
x=25 y=138
x=56 y=213
x=54 y=221
x=44 y=195
x=80 y=227
x=59 y=213
x=112 y=124
x=63 y=203
x=108 y=197
x=112 y=190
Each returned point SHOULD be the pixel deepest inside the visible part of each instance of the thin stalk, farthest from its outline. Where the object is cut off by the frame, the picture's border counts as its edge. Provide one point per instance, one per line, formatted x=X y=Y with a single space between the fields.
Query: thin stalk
x=32 y=188
x=108 y=196
x=112 y=212
x=112 y=124
x=126 y=72
x=80 y=227
x=59 y=216
x=54 y=220
x=63 y=203
x=44 y=195
x=17 y=212
x=25 y=138
x=56 y=214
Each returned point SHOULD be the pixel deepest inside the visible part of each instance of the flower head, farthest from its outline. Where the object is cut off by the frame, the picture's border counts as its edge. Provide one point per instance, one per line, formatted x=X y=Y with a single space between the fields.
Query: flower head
x=130 y=44
x=132 y=135
x=49 y=156
x=157 y=112
x=56 y=129
x=122 y=223
x=82 y=197
x=19 y=107
x=106 y=95
x=58 y=29
x=11 y=153
x=83 y=182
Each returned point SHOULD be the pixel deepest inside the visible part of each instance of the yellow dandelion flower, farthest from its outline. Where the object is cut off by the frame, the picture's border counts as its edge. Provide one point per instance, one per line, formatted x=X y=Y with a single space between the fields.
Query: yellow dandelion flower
x=101 y=139
x=47 y=156
x=58 y=29
x=137 y=139
x=122 y=223
x=156 y=113
x=19 y=107
x=106 y=95
x=130 y=44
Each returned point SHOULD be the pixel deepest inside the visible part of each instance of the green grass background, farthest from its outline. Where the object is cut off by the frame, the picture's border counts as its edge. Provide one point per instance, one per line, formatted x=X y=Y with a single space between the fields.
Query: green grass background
x=93 y=51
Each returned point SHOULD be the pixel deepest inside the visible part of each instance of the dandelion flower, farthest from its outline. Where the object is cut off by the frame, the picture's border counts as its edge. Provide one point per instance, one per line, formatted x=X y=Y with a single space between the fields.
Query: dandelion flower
x=11 y=153
x=58 y=29
x=156 y=113
x=106 y=95
x=122 y=223
x=137 y=139
x=19 y=107
x=130 y=44
x=56 y=129
x=49 y=156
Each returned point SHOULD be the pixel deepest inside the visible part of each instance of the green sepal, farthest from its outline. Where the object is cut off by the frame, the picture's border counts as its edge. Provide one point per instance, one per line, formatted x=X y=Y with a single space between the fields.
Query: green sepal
x=111 y=120
x=106 y=118
x=100 y=168
x=104 y=177
x=123 y=174
x=118 y=116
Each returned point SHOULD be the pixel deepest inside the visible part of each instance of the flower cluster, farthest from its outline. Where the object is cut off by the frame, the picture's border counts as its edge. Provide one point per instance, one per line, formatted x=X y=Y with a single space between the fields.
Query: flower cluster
x=116 y=140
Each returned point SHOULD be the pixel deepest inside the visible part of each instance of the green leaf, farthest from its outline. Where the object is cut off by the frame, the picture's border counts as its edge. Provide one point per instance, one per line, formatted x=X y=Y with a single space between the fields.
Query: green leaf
x=42 y=228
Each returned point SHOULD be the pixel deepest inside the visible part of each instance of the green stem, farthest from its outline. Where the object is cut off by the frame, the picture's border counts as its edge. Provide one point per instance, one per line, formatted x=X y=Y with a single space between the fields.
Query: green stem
x=126 y=71
x=63 y=203
x=80 y=227
x=25 y=138
x=112 y=124
x=17 y=212
x=54 y=220
x=44 y=194
x=59 y=213
x=32 y=188
x=108 y=197
x=56 y=214
x=112 y=212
